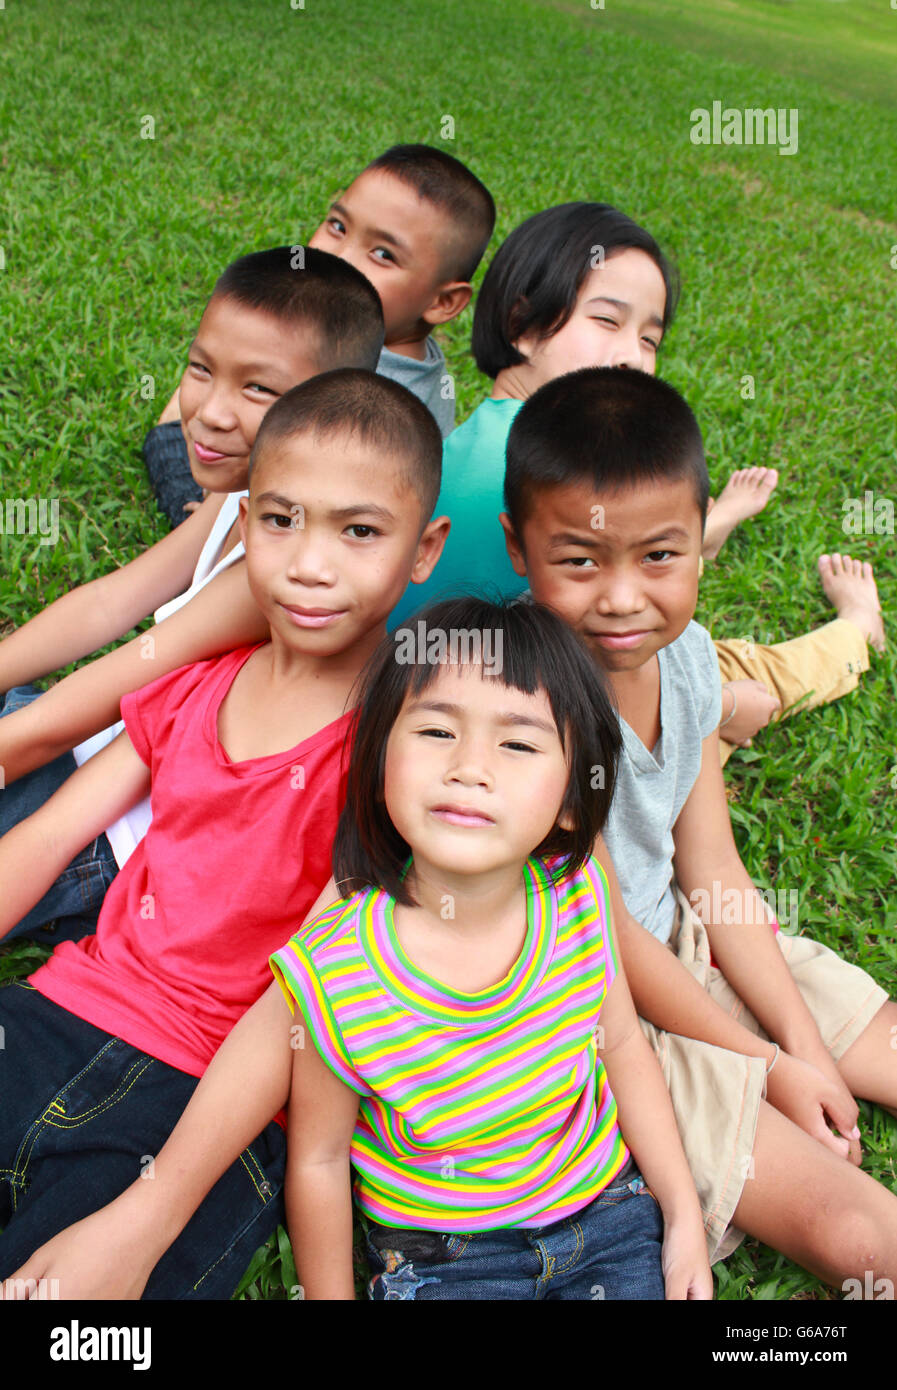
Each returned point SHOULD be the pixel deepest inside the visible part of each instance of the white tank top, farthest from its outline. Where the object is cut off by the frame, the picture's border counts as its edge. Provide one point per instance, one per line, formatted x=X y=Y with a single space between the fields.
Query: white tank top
x=126 y=833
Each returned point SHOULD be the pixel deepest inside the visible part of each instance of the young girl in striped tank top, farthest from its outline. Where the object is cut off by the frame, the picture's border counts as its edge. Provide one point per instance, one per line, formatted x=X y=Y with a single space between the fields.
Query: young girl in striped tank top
x=465 y=1041
x=472 y=1050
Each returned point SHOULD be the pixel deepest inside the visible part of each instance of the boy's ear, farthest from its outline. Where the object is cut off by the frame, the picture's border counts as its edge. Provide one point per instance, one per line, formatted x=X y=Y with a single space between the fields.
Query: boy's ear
x=243 y=518
x=513 y=546
x=566 y=822
x=429 y=548
x=449 y=301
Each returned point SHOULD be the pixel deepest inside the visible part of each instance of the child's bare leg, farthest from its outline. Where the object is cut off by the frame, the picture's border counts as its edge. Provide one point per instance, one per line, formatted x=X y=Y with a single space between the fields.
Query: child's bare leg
x=869 y=1066
x=820 y=1211
x=173 y=409
x=850 y=588
x=745 y=494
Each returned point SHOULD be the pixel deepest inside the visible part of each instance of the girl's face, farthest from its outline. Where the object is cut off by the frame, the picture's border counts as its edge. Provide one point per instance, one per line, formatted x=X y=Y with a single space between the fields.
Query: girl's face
x=617 y=322
x=475 y=772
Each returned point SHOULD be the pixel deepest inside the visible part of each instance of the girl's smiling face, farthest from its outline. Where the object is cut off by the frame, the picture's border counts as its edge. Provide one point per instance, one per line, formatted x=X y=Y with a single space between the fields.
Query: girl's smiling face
x=617 y=322
x=475 y=773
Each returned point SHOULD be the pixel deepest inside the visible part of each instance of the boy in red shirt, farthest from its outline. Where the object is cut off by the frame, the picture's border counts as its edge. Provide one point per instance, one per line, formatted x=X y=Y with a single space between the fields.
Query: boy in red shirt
x=244 y=758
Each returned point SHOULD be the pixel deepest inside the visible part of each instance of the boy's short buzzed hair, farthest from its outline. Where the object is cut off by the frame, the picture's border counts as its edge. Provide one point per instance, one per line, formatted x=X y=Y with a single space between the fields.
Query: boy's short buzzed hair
x=534 y=279
x=370 y=408
x=449 y=185
x=317 y=291
x=608 y=427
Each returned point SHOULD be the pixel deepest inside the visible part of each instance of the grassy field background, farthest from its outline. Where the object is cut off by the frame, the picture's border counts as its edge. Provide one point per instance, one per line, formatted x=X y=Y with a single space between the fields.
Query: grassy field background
x=261 y=112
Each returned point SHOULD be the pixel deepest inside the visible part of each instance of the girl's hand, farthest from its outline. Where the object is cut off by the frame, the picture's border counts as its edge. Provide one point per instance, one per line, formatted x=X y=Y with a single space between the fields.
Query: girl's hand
x=99 y=1257
x=686 y=1268
x=809 y=1093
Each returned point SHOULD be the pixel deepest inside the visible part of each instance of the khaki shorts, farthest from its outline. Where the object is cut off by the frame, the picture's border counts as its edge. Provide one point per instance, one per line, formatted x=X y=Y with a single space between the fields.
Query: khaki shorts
x=716 y=1094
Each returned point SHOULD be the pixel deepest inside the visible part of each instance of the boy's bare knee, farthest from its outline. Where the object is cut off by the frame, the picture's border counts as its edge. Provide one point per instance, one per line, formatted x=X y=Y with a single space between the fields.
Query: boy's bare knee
x=849 y=1239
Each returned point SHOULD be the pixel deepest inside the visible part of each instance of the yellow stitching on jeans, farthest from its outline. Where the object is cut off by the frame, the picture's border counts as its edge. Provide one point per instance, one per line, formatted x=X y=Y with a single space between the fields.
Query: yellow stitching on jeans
x=26 y=1148
x=252 y=1179
x=224 y=1254
x=580 y=1242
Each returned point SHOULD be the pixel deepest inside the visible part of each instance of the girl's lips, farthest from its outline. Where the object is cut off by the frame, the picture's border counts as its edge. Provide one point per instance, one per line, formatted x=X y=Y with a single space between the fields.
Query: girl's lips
x=456 y=815
x=312 y=617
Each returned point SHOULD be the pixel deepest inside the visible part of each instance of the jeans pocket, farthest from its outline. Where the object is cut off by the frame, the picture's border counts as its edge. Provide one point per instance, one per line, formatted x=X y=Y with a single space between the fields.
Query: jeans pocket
x=408 y=1243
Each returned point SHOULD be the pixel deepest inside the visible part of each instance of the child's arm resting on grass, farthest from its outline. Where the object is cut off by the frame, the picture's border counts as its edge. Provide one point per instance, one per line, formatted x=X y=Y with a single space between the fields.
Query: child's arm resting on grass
x=648 y=1127
x=669 y=997
x=318 y=1186
x=104 y=609
x=34 y=853
x=222 y=616
x=746 y=949
x=112 y=1253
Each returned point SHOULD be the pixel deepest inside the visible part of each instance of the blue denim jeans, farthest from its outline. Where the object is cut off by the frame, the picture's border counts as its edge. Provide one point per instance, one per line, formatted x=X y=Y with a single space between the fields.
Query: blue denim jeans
x=73 y=903
x=609 y=1250
x=82 y=1114
x=168 y=465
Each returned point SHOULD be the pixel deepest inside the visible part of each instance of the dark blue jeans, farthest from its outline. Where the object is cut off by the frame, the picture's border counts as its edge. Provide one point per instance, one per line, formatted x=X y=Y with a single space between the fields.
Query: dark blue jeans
x=609 y=1250
x=82 y=1114
x=73 y=903
x=168 y=465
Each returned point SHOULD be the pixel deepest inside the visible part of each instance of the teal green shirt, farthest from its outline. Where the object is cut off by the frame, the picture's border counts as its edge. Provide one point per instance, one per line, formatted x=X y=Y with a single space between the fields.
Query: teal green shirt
x=473 y=478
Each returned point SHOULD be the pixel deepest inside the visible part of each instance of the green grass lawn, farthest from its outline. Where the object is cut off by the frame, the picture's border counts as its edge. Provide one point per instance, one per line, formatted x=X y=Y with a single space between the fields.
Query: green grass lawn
x=111 y=243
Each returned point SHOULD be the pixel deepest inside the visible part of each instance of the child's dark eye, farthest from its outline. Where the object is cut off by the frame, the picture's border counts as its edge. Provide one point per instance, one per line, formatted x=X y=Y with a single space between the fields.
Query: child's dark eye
x=198 y=367
x=257 y=386
x=658 y=556
x=579 y=562
x=386 y=256
x=335 y=225
x=280 y=520
x=367 y=530
x=435 y=733
x=521 y=747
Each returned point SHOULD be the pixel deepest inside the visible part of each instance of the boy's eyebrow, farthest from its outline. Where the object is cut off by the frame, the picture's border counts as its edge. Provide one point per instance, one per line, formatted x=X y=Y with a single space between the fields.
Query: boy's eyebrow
x=261 y=368
x=672 y=533
x=508 y=719
x=376 y=233
x=590 y=542
x=337 y=513
x=584 y=539
x=622 y=304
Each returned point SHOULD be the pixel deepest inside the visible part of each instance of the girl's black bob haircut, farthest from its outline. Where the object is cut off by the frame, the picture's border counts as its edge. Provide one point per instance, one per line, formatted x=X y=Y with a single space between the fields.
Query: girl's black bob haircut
x=536 y=274
x=538 y=652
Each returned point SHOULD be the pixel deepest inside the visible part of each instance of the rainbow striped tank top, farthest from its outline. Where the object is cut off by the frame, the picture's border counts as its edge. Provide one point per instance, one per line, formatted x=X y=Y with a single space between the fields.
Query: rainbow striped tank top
x=476 y=1111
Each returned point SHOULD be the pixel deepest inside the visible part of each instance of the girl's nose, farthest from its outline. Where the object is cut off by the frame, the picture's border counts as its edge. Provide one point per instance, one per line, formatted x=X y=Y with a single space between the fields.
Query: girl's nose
x=627 y=350
x=470 y=766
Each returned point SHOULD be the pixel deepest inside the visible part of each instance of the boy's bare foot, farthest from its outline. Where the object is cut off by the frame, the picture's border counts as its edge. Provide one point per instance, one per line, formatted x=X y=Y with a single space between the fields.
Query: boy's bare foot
x=754 y=708
x=745 y=494
x=851 y=589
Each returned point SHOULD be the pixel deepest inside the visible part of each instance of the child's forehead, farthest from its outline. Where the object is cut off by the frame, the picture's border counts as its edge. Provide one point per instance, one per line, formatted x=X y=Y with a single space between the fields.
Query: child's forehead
x=337 y=465
x=246 y=336
x=465 y=687
x=629 y=273
x=605 y=515
x=385 y=202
